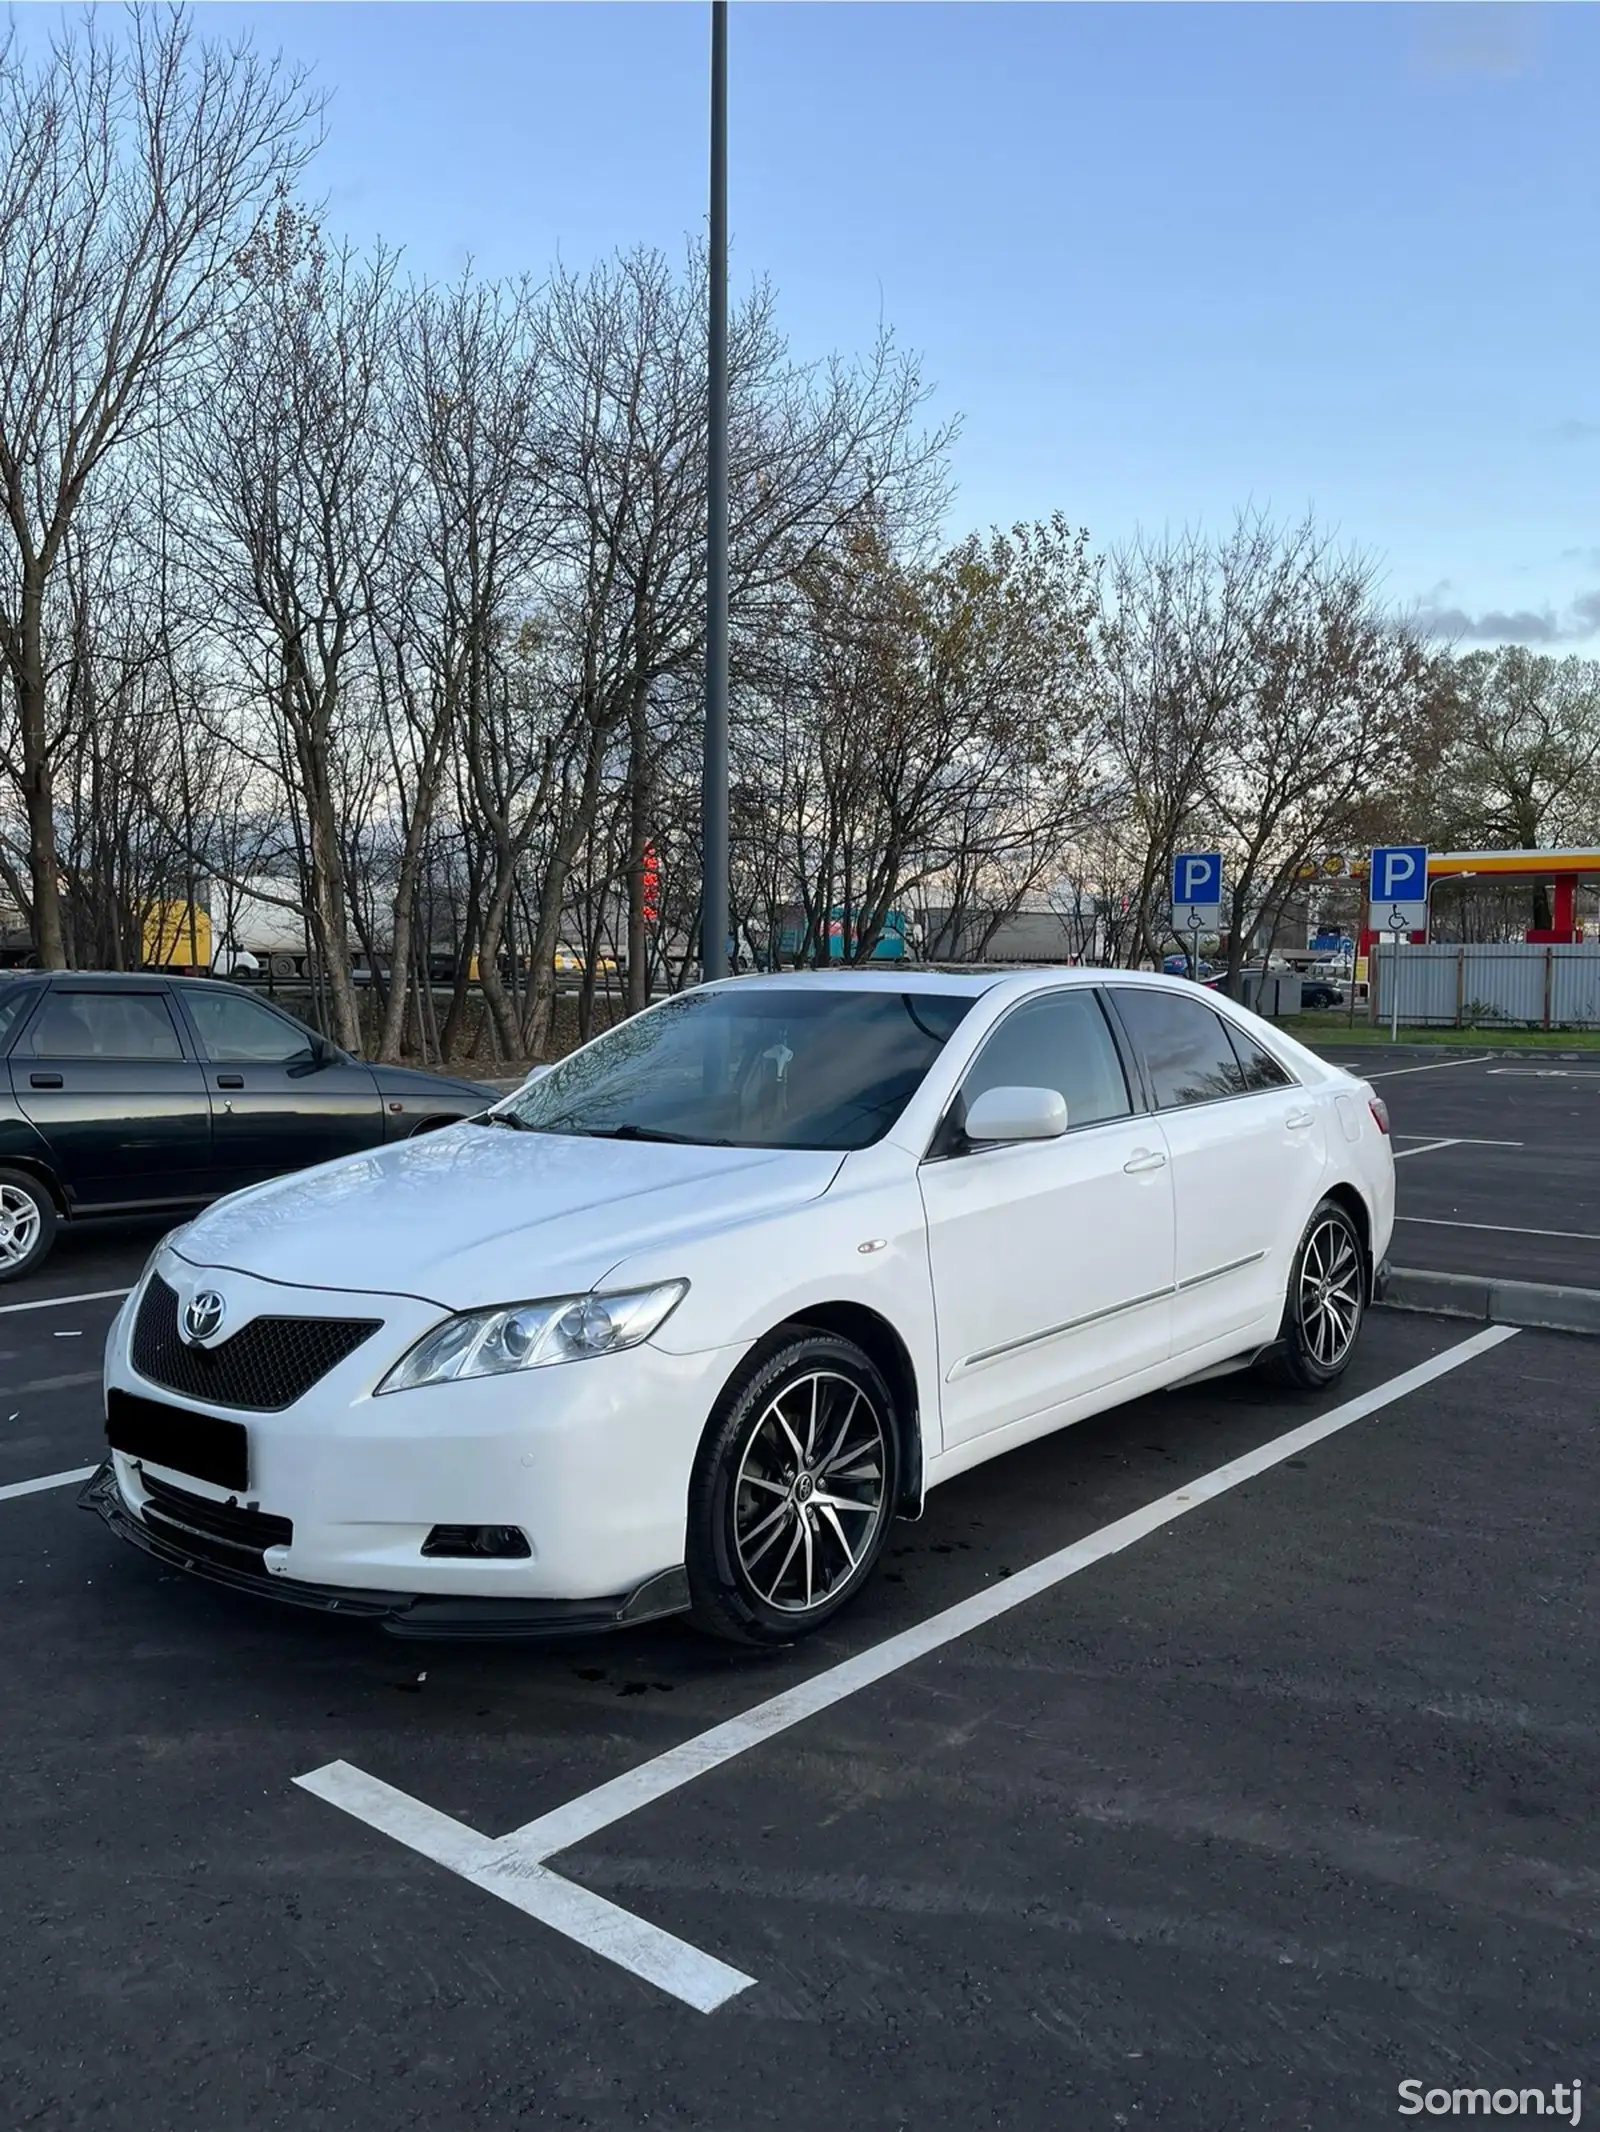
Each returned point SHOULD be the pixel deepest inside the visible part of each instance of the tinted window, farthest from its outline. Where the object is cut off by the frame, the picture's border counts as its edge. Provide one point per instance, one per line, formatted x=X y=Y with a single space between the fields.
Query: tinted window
x=105 y=1025
x=1258 y=1069
x=1183 y=1044
x=756 y=1066
x=237 y=1032
x=1061 y=1042
x=15 y=1000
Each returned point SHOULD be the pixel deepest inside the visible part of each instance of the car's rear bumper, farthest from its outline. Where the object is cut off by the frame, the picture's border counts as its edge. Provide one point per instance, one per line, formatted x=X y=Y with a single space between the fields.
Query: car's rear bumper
x=420 y=1614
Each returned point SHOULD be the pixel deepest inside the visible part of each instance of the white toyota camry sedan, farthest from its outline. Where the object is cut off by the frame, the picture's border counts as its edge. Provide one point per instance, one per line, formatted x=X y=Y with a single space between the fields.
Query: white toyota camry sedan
x=689 y=1319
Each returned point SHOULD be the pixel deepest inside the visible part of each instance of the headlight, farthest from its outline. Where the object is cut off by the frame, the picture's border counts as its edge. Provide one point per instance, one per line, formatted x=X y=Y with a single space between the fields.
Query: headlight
x=526 y=1336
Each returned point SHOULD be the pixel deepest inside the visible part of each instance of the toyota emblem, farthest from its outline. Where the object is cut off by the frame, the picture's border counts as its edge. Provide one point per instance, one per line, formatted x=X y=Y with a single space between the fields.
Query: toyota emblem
x=203 y=1318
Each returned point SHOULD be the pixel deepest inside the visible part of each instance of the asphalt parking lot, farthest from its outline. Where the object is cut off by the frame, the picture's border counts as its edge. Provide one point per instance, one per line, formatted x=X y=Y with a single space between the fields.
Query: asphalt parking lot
x=1241 y=1810
x=1500 y=1161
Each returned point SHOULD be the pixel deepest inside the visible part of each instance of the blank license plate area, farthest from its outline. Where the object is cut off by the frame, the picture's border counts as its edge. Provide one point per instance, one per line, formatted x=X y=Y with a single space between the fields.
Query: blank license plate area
x=196 y=1444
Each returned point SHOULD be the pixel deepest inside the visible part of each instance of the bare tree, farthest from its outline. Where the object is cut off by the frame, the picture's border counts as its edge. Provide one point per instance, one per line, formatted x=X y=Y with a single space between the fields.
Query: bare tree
x=945 y=728
x=132 y=176
x=1331 y=687
x=297 y=494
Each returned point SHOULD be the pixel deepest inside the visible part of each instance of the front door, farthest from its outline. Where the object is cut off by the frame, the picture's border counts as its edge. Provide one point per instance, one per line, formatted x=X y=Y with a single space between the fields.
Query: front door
x=277 y=1102
x=103 y=1076
x=1051 y=1259
x=1247 y=1149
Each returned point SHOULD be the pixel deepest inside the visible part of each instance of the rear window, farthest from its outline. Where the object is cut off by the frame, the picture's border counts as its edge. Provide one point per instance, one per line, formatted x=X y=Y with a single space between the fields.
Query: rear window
x=15 y=1000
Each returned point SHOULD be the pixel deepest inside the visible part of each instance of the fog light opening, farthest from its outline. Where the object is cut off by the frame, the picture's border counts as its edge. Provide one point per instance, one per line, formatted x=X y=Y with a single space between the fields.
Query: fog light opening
x=500 y=1543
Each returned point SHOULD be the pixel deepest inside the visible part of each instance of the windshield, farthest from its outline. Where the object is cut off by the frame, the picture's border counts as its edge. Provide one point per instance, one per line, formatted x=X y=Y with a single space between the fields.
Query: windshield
x=771 y=1066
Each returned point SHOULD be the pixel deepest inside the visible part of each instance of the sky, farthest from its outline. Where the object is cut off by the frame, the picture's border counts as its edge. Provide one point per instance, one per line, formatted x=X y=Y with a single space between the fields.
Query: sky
x=1163 y=262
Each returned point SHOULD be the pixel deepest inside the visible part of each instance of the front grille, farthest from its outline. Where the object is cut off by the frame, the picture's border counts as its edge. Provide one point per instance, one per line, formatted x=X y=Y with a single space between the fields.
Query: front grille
x=266 y=1365
x=228 y=1532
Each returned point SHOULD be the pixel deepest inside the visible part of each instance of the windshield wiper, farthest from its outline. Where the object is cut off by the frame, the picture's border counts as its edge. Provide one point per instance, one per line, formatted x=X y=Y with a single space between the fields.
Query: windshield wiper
x=507 y=1118
x=647 y=1132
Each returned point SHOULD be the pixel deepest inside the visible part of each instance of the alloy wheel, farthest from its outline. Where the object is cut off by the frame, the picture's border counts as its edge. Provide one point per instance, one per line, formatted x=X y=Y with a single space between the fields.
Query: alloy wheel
x=19 y=1225
x=810 y=1493
x=1329 y=1301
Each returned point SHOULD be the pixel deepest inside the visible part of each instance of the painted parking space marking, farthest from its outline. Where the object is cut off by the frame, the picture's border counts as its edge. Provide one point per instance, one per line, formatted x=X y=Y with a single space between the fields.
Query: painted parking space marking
x=1390 y=1073
x=1460 y=1140
x=48 y=1480
x=698 y=1979
x=59 y=1302
x=1545 y=1073
x=1428 y=1147
x=1499 y=1228
x=515 y=1867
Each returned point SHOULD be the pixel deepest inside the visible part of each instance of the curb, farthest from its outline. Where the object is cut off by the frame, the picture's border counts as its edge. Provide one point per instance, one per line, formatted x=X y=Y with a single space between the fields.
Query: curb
x=1535 y=1304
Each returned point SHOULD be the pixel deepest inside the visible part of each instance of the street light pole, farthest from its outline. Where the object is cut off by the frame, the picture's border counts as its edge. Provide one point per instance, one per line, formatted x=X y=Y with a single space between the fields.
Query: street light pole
x=714 y=799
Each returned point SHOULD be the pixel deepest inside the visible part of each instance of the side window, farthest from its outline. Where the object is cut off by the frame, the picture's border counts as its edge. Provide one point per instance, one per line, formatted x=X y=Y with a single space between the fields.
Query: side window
x=237 y=1032
x=105 y=1025
x=1183 y=1044
x=1257 y=1067
x=1060 y=1042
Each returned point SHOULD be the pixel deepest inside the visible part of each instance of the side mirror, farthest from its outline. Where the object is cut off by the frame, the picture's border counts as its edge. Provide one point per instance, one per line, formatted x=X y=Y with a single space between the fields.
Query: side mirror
x=1017 y=1114
x=536 y=1073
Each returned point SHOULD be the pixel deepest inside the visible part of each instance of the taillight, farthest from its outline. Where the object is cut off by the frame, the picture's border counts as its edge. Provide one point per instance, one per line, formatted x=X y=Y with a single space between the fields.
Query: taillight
x=1380 y=1112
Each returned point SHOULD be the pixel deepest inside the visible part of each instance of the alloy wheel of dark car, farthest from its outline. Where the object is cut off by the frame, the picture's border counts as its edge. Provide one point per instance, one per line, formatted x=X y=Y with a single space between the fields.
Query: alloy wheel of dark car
x=793 y=1491
x=27 y=1223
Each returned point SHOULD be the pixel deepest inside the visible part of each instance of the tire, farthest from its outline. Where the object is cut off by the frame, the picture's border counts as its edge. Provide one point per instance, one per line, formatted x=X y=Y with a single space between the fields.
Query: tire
x=28 y=1224
x=1325 y=1303
x=745 y=1586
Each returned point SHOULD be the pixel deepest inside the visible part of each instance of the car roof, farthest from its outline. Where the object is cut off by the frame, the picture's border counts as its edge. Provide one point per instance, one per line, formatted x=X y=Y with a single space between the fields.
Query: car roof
x=966 y=977
x=93 y=980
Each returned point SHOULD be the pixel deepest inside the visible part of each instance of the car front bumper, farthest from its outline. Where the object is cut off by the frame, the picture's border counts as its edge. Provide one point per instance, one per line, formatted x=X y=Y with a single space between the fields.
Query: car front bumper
x=591 y=1461
x=433 y=1615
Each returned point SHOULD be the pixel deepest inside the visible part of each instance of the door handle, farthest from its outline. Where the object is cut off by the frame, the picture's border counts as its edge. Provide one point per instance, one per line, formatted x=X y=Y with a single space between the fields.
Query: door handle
x=1298 y=1120
x=230 y=1080
x=44 y=1080
x=1144 y=1159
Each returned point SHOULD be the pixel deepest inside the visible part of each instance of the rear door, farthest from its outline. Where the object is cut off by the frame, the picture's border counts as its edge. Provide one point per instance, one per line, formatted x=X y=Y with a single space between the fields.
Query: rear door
x=1247 y=1148
x=103 y=1074
x=277 y=1101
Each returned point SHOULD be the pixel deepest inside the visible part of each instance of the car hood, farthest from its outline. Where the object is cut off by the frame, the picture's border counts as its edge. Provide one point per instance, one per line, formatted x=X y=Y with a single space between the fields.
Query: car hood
x=474 y=1214
x=411 y=1080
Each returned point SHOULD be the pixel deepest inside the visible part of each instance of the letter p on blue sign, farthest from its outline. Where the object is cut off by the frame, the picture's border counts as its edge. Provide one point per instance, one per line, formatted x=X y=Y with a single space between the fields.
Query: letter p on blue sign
x=1399 y=888
x=1197 y=886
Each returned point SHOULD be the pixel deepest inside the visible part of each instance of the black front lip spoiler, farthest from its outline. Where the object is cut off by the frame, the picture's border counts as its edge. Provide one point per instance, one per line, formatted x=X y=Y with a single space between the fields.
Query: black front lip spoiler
x=436 y=1616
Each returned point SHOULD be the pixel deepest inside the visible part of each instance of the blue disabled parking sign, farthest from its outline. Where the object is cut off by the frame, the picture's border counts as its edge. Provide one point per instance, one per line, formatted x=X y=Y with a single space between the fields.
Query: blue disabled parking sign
x=1196 y=891
x=1398 y=889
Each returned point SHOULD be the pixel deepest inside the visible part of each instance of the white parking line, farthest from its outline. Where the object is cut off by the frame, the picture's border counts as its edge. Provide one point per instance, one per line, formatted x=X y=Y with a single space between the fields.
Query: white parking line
x=1428 y=1147
x=1544 y=1073
x=1389 y=1073
x=50 y=1480
x=515 y=1867
x=59 y=1302
x=1500 y=1228
x=1462 y=1140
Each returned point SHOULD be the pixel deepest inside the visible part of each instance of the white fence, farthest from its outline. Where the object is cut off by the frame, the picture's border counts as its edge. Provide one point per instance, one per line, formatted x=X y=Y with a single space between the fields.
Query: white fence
x=1522 y=982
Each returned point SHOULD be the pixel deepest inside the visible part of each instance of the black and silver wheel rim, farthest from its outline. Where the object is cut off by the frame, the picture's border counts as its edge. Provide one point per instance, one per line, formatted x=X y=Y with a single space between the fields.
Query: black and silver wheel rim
x=810 y=1492
x=1329 y=1302
x=19 y=1225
